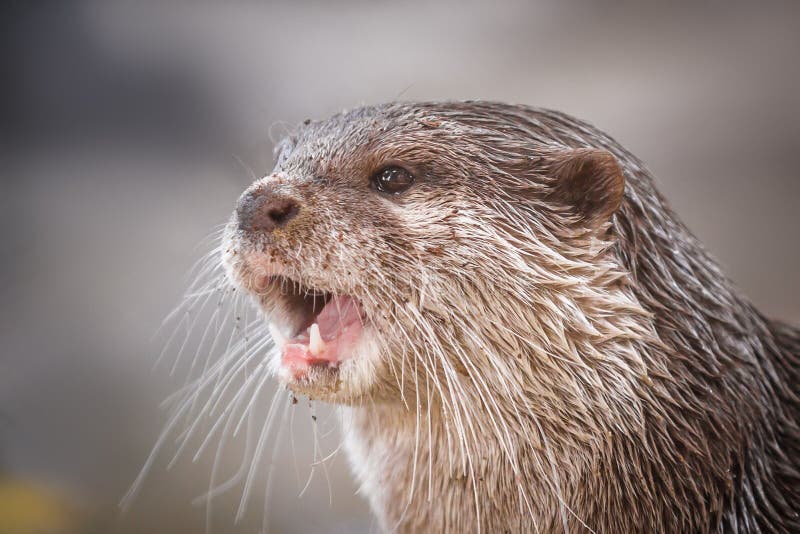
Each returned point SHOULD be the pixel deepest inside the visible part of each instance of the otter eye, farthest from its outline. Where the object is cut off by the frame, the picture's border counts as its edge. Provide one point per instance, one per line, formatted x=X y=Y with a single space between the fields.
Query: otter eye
x=392 y=180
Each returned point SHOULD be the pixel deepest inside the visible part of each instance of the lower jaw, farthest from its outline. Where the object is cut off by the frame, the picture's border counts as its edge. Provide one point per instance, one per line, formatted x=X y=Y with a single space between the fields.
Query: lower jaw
x=309 y=374
x=317 y=382
x=315 y=375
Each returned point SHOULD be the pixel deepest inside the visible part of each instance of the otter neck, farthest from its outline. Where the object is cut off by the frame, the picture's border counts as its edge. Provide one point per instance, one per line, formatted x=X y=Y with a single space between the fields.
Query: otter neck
x=418 y=478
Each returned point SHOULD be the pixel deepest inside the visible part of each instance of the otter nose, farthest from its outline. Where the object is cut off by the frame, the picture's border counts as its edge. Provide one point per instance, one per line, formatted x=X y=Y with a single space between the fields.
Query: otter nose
x=262 y=210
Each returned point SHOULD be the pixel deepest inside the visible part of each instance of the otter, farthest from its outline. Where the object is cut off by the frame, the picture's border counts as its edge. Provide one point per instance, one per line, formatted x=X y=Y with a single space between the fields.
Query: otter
x=520 y=332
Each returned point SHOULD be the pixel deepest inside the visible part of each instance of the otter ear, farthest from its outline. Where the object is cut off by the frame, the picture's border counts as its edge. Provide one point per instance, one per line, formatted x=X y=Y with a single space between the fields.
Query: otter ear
x=588 y=180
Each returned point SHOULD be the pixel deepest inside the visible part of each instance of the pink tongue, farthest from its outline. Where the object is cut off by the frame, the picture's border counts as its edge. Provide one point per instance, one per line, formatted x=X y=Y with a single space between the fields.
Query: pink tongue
x=339 y=326
x=338 y=314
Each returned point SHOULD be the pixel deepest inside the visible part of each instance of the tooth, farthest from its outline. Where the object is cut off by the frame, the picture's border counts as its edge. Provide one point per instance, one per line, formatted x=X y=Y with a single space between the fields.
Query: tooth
x=315 y=343
x=277 y=336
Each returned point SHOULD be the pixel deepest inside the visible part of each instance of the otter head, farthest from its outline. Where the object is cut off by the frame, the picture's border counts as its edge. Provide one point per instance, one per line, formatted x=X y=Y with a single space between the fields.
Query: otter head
x=425 y=251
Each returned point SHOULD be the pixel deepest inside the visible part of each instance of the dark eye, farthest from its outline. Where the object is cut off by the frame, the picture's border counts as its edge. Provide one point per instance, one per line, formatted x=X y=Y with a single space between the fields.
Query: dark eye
x=392 y=180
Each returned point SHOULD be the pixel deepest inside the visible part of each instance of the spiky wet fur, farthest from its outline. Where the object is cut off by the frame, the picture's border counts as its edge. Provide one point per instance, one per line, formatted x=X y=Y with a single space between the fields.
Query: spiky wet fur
x=527 y=371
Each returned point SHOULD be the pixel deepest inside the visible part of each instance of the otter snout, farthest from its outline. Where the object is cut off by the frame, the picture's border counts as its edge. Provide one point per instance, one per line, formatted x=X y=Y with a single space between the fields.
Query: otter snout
x=263 y=209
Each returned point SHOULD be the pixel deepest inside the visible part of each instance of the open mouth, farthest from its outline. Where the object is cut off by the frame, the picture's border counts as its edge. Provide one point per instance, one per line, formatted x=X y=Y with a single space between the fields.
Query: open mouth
x=320 y=329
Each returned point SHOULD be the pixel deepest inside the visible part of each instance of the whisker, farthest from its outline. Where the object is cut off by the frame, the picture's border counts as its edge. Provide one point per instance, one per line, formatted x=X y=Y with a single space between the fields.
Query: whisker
x=256 y=457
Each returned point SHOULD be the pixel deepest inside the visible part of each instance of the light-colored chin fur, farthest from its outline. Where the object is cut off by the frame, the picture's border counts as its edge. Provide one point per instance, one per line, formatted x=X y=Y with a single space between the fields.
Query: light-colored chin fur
x=352 y=382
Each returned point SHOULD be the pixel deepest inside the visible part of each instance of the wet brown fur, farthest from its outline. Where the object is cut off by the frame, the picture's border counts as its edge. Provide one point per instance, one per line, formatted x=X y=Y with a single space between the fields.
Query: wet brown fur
x=552 y=349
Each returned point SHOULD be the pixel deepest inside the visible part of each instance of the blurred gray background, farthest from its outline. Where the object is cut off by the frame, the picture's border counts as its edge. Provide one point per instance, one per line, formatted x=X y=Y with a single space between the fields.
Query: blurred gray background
x=118 y=126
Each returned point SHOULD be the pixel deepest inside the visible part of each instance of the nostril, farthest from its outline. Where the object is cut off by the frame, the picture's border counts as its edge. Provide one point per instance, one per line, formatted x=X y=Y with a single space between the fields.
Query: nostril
x=263 y=211
x=283 y=213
